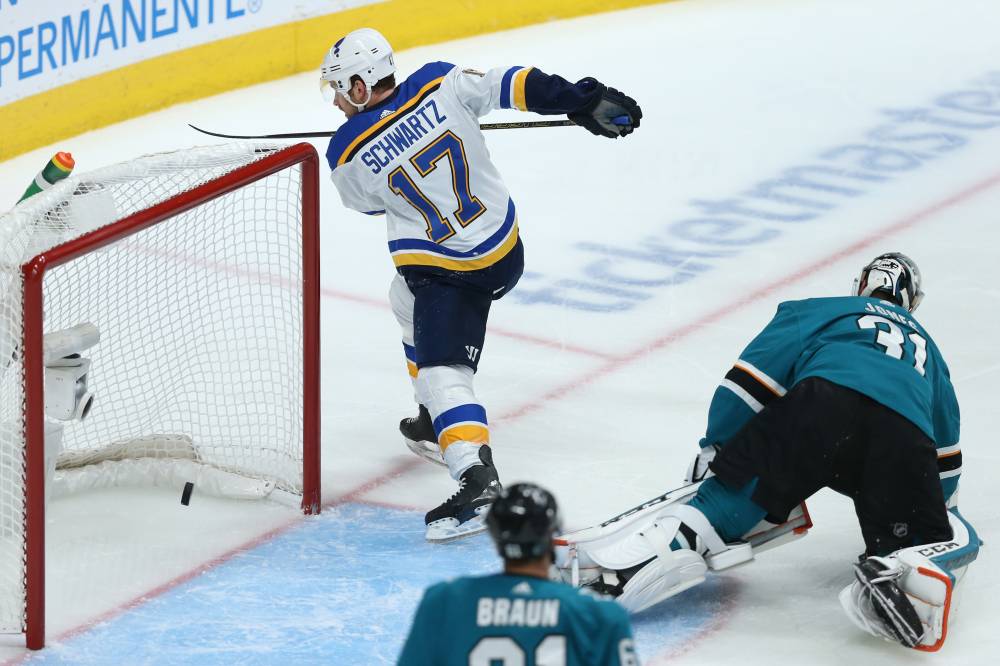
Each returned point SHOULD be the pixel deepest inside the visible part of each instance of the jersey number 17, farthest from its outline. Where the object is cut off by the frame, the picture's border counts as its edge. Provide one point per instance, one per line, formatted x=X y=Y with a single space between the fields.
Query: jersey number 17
x=449 y=146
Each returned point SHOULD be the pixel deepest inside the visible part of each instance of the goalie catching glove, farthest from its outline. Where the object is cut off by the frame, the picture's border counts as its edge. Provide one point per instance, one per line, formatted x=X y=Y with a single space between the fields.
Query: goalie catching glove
x=610 y=113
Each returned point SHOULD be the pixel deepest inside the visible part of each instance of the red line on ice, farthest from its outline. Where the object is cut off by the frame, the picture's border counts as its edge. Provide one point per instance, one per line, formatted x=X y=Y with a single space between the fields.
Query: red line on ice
x=613 y=364
x=493 y=330
x=394 y=472
x=617 y=363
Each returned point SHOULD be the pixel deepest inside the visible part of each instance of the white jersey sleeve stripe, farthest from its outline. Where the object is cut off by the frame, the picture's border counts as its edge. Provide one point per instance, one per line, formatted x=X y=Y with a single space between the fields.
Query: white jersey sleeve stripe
x=742 y=394
x=761 y=377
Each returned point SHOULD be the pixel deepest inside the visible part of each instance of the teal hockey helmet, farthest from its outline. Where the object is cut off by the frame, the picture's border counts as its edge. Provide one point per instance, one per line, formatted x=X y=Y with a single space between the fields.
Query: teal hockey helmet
x=894 y=274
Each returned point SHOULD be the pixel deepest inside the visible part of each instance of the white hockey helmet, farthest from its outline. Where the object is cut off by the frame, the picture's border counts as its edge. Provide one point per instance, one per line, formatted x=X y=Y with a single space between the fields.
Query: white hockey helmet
x=895 y=274
x=363 y=52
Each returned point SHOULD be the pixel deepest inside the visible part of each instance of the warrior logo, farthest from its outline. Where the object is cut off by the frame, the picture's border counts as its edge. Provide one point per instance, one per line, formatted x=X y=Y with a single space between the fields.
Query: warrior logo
x=473 y=352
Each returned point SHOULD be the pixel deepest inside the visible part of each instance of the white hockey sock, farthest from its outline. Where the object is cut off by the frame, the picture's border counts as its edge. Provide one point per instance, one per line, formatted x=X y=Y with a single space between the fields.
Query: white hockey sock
x=460 y=456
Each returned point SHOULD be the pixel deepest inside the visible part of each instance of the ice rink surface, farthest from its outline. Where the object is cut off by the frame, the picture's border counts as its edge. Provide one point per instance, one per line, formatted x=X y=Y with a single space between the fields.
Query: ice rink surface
x=784 y=144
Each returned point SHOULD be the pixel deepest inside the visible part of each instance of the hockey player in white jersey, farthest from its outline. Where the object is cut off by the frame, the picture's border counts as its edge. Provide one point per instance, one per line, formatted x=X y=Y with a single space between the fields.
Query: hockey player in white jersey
x=415 y=153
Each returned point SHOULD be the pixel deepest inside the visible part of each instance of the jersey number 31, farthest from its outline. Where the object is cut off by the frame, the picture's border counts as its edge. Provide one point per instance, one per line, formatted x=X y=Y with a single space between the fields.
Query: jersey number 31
x=891 y=339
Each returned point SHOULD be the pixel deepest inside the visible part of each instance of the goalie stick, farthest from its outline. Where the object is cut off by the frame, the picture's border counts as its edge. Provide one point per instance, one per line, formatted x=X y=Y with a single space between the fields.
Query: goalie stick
x=531 y=124
x=771 y=534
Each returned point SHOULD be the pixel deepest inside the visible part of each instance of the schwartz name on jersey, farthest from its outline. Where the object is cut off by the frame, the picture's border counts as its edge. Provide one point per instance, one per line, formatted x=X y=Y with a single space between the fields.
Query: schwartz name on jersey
x=504 y=619
x=871 y=346
x=421 y=150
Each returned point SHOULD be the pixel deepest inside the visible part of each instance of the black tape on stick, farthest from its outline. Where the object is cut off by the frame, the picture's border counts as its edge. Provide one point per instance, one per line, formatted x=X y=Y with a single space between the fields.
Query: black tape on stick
x=186 y=495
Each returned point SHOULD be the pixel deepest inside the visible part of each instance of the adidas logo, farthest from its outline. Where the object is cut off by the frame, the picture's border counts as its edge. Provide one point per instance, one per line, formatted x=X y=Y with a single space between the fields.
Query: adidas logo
x=522 y=588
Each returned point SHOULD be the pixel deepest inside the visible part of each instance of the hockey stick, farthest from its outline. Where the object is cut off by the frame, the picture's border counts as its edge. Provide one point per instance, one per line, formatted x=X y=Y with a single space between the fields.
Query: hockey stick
x=311 y=135
x=798 y=523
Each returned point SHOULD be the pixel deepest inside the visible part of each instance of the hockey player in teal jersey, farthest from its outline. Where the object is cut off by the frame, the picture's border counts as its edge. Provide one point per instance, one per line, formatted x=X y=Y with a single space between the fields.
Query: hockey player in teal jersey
x=849 y=393
x=518 y=617
x=415 y=153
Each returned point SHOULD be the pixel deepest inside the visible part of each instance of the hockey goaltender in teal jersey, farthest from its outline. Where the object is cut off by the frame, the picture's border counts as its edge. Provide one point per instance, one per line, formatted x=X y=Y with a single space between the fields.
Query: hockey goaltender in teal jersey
x=852 y=341
x=505 y=619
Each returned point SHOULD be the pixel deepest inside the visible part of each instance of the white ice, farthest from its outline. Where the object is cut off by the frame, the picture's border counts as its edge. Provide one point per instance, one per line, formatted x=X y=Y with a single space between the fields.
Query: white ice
x=606 y=408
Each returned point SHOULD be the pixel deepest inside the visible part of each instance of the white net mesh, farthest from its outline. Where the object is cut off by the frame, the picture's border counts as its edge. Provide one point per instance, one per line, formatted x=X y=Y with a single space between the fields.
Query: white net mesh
x=200 y=321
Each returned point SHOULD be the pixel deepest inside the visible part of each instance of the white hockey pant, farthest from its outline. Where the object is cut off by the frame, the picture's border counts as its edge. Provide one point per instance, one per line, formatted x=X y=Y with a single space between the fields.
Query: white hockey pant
x=401 y=300
x=439 y=389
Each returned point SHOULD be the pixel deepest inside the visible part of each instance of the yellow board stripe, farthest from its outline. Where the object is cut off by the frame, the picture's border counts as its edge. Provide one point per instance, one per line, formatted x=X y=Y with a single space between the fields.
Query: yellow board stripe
x=476 y=434
x=519 y=80
x=426 y=259
x=262 y=55
x=388 y=119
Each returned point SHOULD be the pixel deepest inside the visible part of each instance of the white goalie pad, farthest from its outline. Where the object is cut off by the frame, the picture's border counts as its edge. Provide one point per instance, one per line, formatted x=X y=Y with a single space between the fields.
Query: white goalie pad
x=663 y=578
x=930 y=590
x=610 y=538
x=664 y=572
x=646 y=532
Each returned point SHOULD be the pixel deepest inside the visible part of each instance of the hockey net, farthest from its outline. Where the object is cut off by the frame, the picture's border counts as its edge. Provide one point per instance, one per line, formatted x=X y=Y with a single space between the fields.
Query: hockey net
x=199 y=269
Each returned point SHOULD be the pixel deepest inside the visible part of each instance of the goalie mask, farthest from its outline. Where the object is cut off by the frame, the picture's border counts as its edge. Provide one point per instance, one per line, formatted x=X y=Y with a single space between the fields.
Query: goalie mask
x=523 y=521
x=364 y=53
x=894 y=274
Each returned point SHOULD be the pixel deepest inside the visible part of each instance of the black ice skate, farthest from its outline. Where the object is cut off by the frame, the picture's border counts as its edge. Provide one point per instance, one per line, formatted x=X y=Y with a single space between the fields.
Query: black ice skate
x=418 y=433
x=463 y=513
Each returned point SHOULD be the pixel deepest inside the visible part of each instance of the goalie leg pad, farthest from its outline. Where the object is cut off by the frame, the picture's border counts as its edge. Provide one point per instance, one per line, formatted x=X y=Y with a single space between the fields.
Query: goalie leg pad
x=662 y=578
x=907 y=597
x=650 y=560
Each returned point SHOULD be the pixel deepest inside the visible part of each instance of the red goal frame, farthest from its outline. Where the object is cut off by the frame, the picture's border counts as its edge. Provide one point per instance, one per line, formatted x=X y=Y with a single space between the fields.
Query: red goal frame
x=33 y=271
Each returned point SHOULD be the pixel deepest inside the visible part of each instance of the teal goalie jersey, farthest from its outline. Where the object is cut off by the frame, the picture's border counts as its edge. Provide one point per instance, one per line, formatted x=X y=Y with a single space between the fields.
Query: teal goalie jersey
x=871 y=346
x=504 y=620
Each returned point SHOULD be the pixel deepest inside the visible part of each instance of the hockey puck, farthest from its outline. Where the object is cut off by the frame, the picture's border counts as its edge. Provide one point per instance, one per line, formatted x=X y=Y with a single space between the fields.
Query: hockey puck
x=186 y=495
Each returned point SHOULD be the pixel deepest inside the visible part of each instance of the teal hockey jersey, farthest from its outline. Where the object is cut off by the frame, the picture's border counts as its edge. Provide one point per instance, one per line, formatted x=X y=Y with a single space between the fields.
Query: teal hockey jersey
x=502 y=620
x=871 y=346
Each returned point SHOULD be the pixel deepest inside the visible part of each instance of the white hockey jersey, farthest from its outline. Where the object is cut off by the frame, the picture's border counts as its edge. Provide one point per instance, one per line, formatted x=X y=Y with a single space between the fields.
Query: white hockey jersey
x=420 y=158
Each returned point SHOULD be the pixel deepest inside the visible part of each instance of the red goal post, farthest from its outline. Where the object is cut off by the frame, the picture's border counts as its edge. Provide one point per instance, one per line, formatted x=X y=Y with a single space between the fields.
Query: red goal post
x=250 y=329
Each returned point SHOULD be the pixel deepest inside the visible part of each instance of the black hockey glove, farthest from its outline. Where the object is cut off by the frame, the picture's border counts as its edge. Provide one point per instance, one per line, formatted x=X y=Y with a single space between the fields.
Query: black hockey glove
x=611 y=113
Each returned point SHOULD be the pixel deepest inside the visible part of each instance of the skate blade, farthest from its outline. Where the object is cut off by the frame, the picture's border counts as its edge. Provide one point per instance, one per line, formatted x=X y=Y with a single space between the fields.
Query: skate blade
x=449 y=529
x=429 y=451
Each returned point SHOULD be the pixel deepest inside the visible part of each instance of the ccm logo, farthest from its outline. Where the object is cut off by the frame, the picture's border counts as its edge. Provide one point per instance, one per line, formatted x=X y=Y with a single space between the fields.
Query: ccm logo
x=937 y=549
